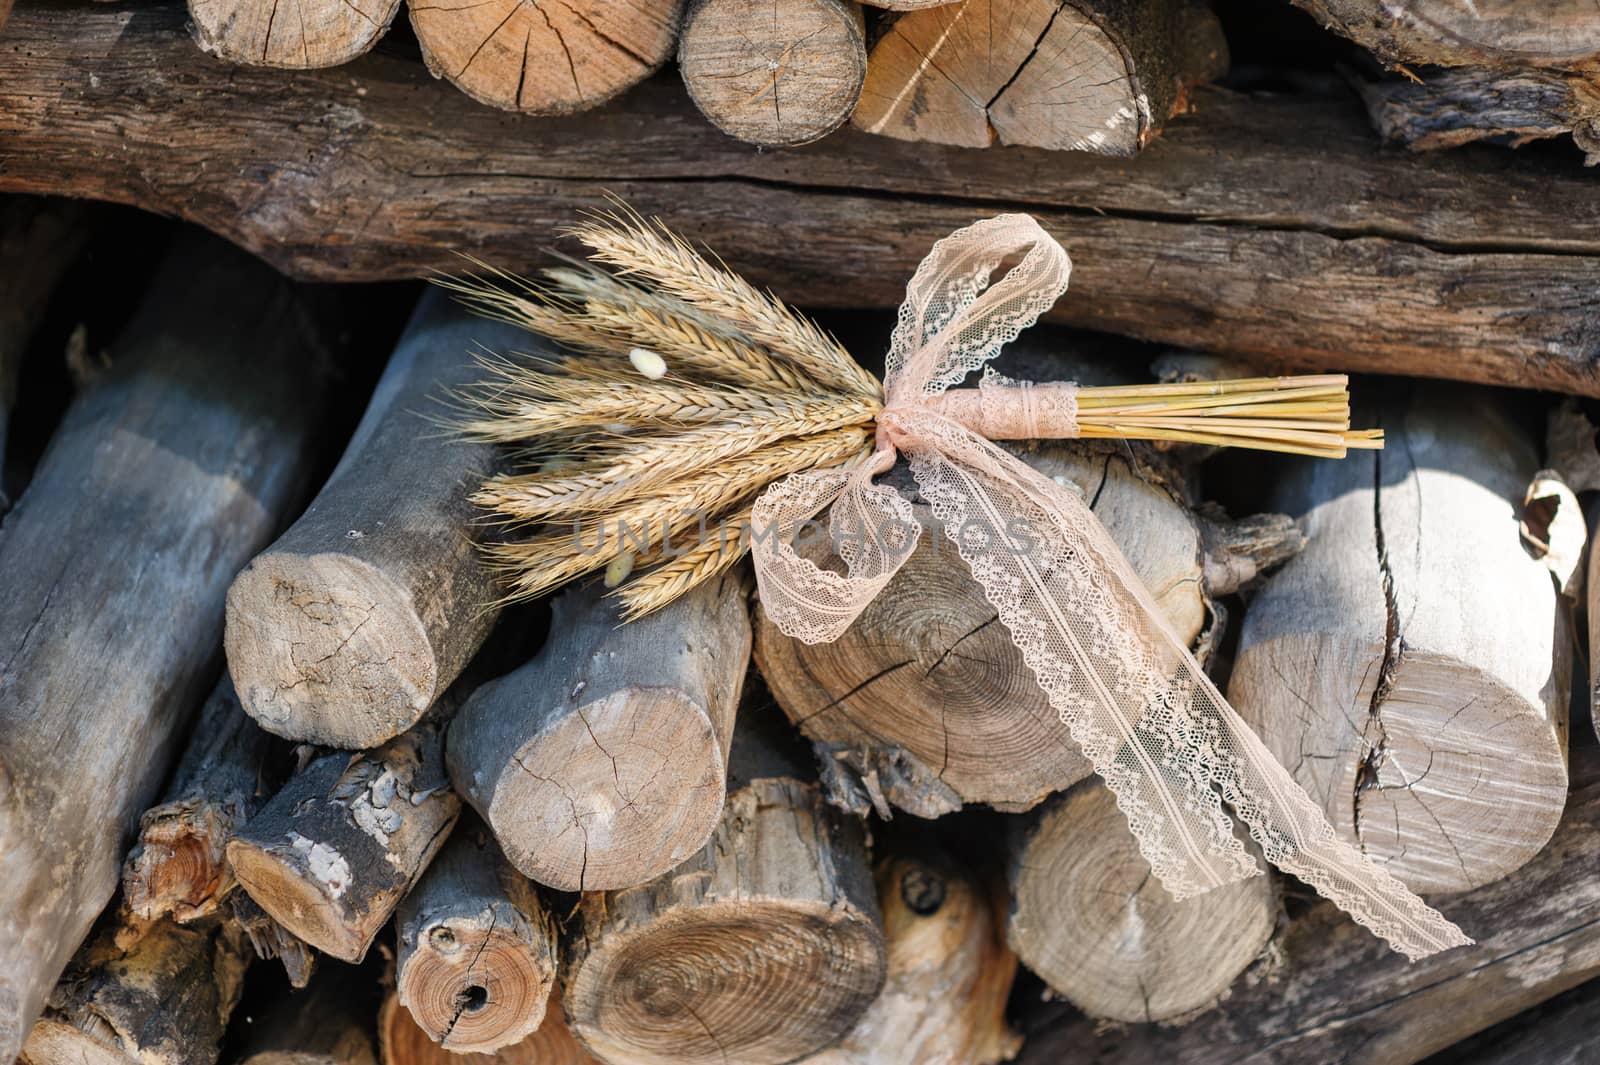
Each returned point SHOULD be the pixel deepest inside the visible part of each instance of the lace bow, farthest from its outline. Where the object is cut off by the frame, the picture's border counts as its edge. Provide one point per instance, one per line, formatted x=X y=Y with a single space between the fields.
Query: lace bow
x=1123 y=683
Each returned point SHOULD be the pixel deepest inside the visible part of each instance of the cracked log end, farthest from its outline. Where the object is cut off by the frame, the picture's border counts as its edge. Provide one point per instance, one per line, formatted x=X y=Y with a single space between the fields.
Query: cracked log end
x=401 y=1042
x=1038 y=72
x=928 y=667
x=179 y=866
x=1088 y=916
x=325 y=648
x=264 y=33
x=774 y=74
x=763 y=948
x=545 y=58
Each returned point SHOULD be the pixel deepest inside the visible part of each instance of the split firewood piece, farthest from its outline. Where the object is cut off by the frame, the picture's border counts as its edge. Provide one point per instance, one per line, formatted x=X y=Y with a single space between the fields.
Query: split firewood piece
x=402 y=1042
x=477 y=953
x=178 y=865
x=545 y=59
x=929 y=668
x=762 y=948
x=160 y=482
x=1507 y=34
x=1089 y=75
x=949 y=975
x=1090 y=920
x=38 y=241
x=271 y=940
x=774 y=73
x=334 y=852
x=1411 y=668
x=163 y=1000
x=264 y=33
x=346 y=630
x=326 y=1024
x=600 y=764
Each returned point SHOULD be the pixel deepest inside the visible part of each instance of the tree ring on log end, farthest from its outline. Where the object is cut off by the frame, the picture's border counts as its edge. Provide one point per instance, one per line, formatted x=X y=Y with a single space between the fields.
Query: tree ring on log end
x=276 y=878
x=471 y=988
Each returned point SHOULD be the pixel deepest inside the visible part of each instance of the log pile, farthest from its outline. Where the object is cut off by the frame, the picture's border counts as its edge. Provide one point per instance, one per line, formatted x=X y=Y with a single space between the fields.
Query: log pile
x=260 y=700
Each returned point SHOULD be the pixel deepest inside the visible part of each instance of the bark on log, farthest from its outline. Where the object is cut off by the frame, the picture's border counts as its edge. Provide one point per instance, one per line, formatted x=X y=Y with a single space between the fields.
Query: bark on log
x=524 y=56
x=334 y=852
x=38 y=241
x=477 y=953
x=346 y=630
x=191 y=450
x=765 y=946
x=776 y=74
x=600 y=763
x=1331 y=991
x=1088 y=917
x=323 y=33
x=1558 y=1032
x=177 y=865
x=1499 y=33
x=1083 y=75
x=1411 y=667
x=1267 y=226
x=164 y=1000
x=271 y=940
x=402 y=1042
x=326 y=1024
x=949 y=970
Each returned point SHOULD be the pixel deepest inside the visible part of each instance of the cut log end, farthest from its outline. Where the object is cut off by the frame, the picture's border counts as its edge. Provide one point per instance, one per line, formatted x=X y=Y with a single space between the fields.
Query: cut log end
x=774 y=74
x=545 y=59
x=1038 y=72
x=300 y=887
x=326 y=649
x=1091 y=920
x=474 y=989
x=180 y=866
x=323 y=33
x=402 y=1042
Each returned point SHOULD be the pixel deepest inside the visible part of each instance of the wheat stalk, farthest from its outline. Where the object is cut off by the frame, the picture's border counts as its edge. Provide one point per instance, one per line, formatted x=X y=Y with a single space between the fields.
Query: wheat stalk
x=722 y=548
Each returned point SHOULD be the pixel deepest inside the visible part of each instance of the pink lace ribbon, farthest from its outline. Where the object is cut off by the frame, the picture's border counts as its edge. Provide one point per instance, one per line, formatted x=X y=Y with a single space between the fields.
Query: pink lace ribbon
x=1138 y=704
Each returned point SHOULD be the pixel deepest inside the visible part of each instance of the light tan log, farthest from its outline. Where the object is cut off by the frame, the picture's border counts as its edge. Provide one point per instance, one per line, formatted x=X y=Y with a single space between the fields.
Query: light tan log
x=177 y=865
x=326 y=1024
x=269 y=33
x=1411 y=667
x=601 y=763
x=163 y=1000
x=1497 y=33
x=192 y=450
x=774 y=72
x=928 y=667
x=402 y=1042
x=762 y=948
x=950 y=971
x=346 y=630
x=38 y=241
x=1085 y=75
x=477 y=955
x=545 y=59
x=334 y=852
x=1089 y=918
x=271 y=940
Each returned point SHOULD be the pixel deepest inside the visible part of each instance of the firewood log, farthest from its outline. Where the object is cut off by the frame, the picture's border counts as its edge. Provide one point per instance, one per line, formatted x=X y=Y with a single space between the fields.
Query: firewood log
x=177 y=865
x=159 y=483
x=346 y=630
x=1328 y=990
x=334 y=852
x=1085 y=75
x=762 y=948
x=320 y=33
x=402 y=1042
x=1090 y=920
x=477 y=948
x=163 y=1000
x=326 y=1024
x=1294 y=250
x=949 y=970
x=1558 y=1032
x=774 y=73
x=1411 y=668
x=600 y=763
x=38 y=241
x=545 y=59
x=269 y=939
x=1526 y=33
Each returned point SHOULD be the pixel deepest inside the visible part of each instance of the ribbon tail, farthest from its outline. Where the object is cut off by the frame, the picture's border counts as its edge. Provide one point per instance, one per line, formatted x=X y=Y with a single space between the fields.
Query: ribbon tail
x=1134 y=698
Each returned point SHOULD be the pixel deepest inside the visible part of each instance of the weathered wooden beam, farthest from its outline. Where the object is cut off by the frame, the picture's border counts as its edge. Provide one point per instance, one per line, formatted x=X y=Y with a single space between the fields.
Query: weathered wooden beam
x=1274 y=227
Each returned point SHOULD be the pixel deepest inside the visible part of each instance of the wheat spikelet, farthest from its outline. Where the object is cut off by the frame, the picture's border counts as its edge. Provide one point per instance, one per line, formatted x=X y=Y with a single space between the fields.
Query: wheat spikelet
x=724 y=546
x=542 y=403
